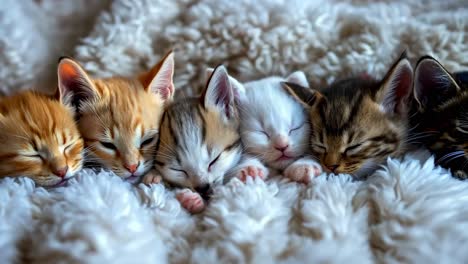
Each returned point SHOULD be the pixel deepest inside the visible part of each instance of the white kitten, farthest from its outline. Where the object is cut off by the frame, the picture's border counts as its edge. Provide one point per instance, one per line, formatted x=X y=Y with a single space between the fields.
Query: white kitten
x=275 y=128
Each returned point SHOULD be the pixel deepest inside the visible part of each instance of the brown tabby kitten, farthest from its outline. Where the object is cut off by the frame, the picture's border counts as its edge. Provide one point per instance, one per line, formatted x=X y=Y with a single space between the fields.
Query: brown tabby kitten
x=358 y=123
x=119 y=117
x=441 y=121
x=39 y=139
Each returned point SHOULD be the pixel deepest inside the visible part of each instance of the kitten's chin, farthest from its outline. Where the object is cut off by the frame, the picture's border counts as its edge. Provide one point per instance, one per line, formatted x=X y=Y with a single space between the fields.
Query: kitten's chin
x=368 y=168
x=133 y=179
x=53 y=182
x=280 y=164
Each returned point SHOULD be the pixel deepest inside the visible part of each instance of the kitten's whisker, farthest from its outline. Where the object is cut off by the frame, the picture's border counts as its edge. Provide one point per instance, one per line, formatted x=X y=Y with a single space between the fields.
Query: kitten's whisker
x=451 y=156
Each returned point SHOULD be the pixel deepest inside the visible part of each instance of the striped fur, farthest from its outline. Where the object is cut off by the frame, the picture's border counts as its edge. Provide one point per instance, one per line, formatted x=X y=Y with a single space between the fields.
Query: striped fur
x=39 y=139
x=441 y=121
x=199 y=140
x=357 y=123
x=119 y=117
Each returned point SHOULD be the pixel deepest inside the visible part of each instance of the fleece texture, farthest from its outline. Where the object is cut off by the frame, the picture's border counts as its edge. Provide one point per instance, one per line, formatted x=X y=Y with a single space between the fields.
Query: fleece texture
x=409 y=211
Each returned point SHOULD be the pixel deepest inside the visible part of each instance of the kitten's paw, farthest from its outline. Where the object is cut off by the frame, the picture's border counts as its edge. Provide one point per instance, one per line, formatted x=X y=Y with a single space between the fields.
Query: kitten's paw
x=152 y=178
x=460 y=175
x=191 y=201
x=303 y=171
x=254 y=171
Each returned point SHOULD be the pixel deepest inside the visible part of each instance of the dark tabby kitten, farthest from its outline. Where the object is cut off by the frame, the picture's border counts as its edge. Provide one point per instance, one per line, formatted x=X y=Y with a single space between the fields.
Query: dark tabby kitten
x=358 y=123
x=441 y=118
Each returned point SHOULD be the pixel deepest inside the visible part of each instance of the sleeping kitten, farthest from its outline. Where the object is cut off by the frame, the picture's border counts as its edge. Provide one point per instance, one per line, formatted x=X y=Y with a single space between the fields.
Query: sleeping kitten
x=39 y=139
x=358 y=123
x=441 y=121
x=199 y=141
x=119 y=117
x=274 y=127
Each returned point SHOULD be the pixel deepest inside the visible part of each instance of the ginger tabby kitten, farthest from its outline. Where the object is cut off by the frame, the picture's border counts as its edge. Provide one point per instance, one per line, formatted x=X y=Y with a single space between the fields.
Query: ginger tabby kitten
x=119 y=117
x=39 y=139
x=357 y=123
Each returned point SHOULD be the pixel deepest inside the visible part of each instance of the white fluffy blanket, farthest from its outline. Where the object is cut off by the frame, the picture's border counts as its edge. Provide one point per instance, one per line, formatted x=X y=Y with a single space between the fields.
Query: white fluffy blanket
x=409 y=211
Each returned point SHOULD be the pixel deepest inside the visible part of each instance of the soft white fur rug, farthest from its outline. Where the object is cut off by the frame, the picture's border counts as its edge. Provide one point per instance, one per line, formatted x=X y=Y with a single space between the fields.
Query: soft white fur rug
x=409 y=211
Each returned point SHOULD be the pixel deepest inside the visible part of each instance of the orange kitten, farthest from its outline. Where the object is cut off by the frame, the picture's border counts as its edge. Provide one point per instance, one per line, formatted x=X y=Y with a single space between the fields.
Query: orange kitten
x=119 y=117
x=39 y=139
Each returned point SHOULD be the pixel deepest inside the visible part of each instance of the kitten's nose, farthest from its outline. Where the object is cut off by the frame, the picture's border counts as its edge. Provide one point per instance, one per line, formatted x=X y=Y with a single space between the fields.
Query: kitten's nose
x=61 y=172
x=132 y=167
x=203 y=189
x=332 y=168
x=281 y=143
x=282 y=148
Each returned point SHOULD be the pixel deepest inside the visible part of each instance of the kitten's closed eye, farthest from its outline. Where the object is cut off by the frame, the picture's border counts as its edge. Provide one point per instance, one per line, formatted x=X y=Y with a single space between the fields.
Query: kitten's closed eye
x=213 y=162
x=295 y=128
x=108 y=145
x=180 y=170
x=319 y=148
x=33 y=155
x=352 y=149
x=264 y=133
x=147 y=142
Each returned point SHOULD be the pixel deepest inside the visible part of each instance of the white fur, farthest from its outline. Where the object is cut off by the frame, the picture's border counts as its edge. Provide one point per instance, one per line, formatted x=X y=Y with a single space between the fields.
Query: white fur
x=268 y=113
x=407 y=211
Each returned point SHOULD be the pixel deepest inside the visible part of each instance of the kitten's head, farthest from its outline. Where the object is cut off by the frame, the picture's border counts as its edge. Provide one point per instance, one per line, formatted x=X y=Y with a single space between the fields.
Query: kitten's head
x=39 y=139
x=442 y=99
x=274 y=126
x=357 y=123
x=119 y=117
x=199 y=140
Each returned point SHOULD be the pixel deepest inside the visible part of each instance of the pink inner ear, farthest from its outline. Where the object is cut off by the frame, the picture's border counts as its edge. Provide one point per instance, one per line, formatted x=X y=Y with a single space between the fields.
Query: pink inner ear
x=166 y=91
x=404 y=85
x=224 y=98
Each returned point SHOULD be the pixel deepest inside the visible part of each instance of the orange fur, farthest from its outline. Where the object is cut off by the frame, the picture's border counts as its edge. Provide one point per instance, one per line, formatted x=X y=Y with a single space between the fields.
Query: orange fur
x=119 y=117
x=39 y=139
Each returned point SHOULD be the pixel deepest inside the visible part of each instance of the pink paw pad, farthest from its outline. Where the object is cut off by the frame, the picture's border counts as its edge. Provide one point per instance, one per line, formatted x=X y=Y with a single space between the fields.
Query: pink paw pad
x=251 y=171
x=191 y=201
x=151 y=178
x=302 y=172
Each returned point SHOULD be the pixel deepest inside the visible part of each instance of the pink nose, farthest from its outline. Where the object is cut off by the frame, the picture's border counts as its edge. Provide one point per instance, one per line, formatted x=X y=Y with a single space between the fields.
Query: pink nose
x=281 y=147
x=281 y=143
x=131 y=168
x=61 y=172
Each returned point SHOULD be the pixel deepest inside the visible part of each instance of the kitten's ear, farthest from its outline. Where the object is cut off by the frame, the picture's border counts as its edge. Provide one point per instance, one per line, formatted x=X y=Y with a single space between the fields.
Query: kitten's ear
x=306 y=96
x=239 y=89
x=219 y=92
x=298 y=77
x=74 y=84
x=395 y=89
x=433 y=84
x=159 y=80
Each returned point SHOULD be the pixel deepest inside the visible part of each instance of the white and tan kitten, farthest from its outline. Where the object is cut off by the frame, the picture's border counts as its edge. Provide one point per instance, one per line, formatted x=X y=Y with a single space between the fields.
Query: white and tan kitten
x=274 y=127
x=199 y=142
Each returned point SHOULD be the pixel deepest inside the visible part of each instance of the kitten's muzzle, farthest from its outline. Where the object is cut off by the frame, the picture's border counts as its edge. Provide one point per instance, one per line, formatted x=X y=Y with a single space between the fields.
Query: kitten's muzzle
x=204 y=190
x=332 y=168
x=61 y=172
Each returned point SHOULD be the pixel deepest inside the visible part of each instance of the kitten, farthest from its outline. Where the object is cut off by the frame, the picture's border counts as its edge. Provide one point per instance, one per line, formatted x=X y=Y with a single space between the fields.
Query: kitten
x=199 y=141
x=441 y=122
x=358 y=123
x=119 y=117
x=275 y=128
x=39 y=139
